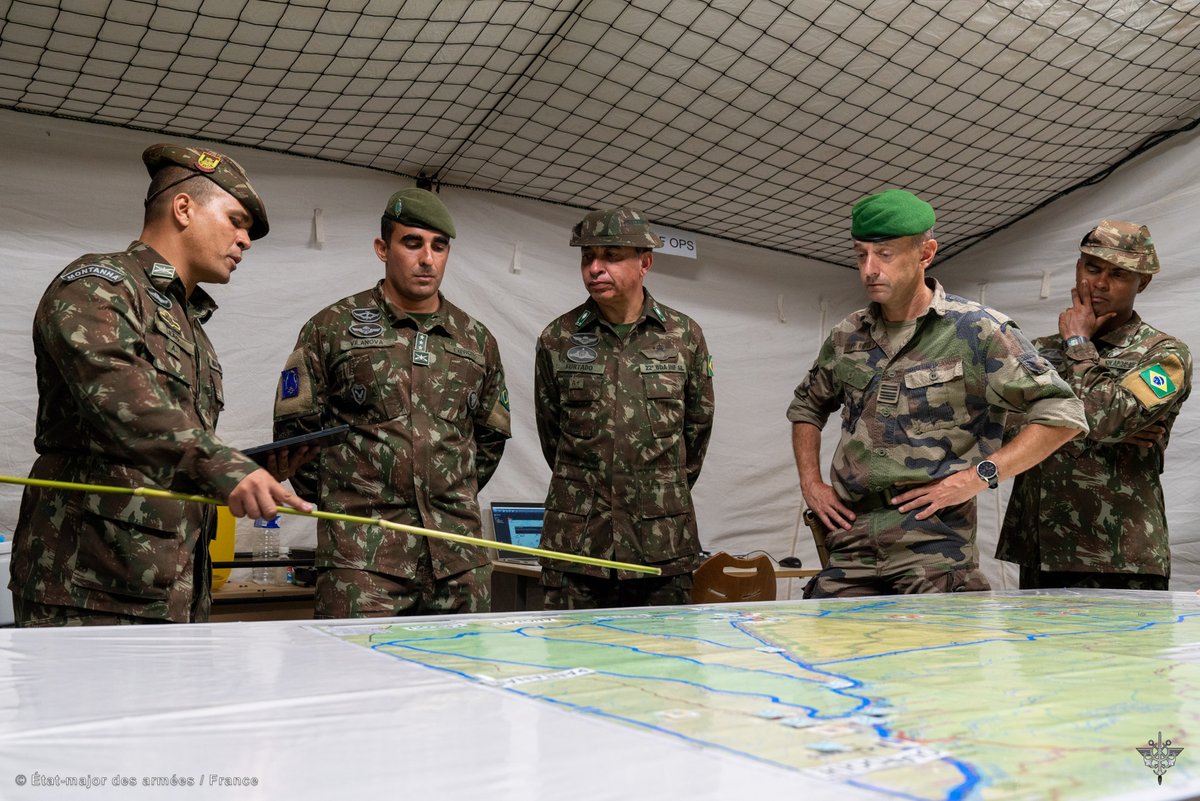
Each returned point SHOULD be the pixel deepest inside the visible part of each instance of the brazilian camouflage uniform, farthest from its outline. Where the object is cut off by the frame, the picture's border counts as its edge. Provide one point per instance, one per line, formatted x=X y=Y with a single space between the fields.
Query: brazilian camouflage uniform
x=129 y=393
x=429 y=417
x=912 y=417
x=624 y=424
x=1092 y=513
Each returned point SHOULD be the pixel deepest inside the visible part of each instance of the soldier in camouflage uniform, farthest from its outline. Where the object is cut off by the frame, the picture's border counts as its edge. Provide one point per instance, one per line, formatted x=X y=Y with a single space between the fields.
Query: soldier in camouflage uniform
x=623 y=388
x=129 y=392
x=421 y=385
x=924 y=380
x=1092 y=514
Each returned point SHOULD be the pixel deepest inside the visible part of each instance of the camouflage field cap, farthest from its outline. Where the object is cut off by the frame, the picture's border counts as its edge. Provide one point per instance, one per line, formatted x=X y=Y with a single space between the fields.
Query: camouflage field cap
x=221 y=170
x=1124 y=244
x=890 y=214
x=623 y=227
x=420 y=208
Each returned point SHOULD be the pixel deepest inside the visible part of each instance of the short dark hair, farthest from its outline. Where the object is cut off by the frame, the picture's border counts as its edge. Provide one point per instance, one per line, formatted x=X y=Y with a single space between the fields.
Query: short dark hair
x=171 y=181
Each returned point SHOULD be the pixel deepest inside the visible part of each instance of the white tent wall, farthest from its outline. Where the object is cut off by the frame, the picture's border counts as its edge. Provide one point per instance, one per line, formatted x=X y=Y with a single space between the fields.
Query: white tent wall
x=70 y=188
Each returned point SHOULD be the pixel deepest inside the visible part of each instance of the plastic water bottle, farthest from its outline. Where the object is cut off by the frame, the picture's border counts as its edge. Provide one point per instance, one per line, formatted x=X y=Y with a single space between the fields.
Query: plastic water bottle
x=266 y=546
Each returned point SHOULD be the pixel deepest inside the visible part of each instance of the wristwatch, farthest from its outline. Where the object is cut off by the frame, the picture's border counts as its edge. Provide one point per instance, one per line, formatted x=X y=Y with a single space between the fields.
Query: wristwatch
x=1075 y=340
x=987 y=471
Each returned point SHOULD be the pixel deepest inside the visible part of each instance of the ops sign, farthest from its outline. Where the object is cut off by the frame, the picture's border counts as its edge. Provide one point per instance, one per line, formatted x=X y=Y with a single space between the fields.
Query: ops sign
x=676 y=242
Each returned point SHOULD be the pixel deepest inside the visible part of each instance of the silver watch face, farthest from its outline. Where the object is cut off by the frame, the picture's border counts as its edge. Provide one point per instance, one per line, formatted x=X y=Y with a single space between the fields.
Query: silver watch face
x=987 y=470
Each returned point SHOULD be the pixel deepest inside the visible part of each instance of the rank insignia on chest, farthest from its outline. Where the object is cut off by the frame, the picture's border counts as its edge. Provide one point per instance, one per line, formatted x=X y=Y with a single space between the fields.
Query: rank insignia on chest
x=889 y=392
x=420 y=350
x=159 y=297
x=366 y=315
x=582 y=354
x=359 y=393
x=289 y=383
x=171 y=322
x=1159 y=382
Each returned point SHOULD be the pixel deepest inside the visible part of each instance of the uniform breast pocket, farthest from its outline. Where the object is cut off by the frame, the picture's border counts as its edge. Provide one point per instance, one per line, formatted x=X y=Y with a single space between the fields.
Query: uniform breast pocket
x=365 y=391
x=460 y=387
x=172 y=361
x=664 y=402
x=853 y=377
x=936 y=395
x=580 y=395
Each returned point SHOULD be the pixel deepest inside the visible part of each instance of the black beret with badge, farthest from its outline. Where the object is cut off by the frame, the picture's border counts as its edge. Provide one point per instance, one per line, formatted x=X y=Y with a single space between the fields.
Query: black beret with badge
x=221 y=170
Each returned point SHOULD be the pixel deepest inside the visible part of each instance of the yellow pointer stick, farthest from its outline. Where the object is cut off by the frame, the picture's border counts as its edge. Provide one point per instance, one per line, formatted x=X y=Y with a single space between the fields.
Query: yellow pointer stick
x=366 y=521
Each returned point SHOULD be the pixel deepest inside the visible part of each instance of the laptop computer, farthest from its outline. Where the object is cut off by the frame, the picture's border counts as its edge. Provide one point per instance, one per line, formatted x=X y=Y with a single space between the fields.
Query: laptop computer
x=518 y=524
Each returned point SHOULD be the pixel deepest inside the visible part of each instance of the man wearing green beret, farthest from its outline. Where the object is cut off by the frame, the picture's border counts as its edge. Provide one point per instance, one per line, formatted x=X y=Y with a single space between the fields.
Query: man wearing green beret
x=1093 y=514
x=623 y=387
x=129 y=392
x=421 y=385
x=925 y=381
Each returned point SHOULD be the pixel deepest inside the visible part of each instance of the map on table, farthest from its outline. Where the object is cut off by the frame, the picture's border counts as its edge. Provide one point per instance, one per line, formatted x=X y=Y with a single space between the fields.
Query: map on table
x=987 y=696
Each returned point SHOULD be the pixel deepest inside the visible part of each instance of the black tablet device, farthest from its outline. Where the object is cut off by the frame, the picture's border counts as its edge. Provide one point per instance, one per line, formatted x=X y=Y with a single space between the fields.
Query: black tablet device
x=326 y=436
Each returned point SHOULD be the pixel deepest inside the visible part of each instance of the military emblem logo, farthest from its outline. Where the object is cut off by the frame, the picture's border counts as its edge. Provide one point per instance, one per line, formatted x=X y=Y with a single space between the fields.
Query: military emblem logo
x=366 y=315
x=160 y=270
x=289 y=383
x=170 y=321
x=504 y=399
x=365 y=330
x=207 y=162
x=472 y=400
x=159 y=298
x=581 y=354
x=1159 y=382
x=585 y=339
x=1159 y=756
x=359 y=393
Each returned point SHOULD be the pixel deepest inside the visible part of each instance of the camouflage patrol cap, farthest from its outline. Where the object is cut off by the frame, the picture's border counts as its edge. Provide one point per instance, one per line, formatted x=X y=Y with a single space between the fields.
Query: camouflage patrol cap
x=420 y=208
x=1123 y=244
x=890 y=214
x=221 y=170
x=622 y=227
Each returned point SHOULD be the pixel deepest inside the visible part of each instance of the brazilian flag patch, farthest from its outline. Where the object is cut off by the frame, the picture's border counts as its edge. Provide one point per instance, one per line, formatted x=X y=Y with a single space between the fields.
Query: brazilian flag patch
x=709 y=367
x=504 y=399
x=1159 y=382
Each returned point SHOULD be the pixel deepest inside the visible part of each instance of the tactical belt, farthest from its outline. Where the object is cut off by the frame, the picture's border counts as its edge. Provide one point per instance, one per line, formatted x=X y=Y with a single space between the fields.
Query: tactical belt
x=872 y=502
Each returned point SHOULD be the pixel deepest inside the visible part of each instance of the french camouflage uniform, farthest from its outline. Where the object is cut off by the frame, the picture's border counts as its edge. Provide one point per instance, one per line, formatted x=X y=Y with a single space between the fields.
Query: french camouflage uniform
x=624 y=423
x=914 y=415
x=429 y=417
x=1092 y=513
x=129 y=392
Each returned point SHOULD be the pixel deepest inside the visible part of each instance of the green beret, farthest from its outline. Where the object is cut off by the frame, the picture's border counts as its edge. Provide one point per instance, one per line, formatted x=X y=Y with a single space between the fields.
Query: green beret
x=221 y=170
x=420 y=208
x=890 y=214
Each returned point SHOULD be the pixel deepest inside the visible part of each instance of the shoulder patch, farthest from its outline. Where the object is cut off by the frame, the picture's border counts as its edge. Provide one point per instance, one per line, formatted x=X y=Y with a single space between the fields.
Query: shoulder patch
x=1156 y=384
x=113 y=275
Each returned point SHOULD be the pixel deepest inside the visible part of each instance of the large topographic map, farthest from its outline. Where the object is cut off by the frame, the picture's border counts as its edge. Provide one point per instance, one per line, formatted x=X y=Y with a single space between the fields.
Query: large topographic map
x=989 y=696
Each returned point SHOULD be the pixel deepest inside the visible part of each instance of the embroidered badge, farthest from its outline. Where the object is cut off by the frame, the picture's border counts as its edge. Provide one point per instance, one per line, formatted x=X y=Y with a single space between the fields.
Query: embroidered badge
x=359 y=393
x=110 y=274
x=583 y=318
x=170 y=321
x=207 y=162
x=1159 y=382
x=585 y=339
x=366 y=315
x=365 y=330
x=159 y=297
x=581 y=354
x=660 y=314
x=289 y=383
x=160 y=270
x=472 y=400
x=504 y=399
x=709 y=367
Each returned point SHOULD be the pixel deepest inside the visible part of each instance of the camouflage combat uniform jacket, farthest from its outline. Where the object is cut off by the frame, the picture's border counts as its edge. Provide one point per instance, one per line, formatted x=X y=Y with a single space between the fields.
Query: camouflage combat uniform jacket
x=129 y=391
x=1096 y=505
x=429 y=418
x=933 y=408
x=624 y=424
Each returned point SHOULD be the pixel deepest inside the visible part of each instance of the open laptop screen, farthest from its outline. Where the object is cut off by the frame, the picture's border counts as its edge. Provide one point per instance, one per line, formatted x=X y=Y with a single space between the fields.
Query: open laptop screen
x=519 y=524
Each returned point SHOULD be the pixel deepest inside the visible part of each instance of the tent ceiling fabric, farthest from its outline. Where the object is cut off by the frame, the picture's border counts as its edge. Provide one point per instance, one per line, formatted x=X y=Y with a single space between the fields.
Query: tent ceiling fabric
x=755 y=120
